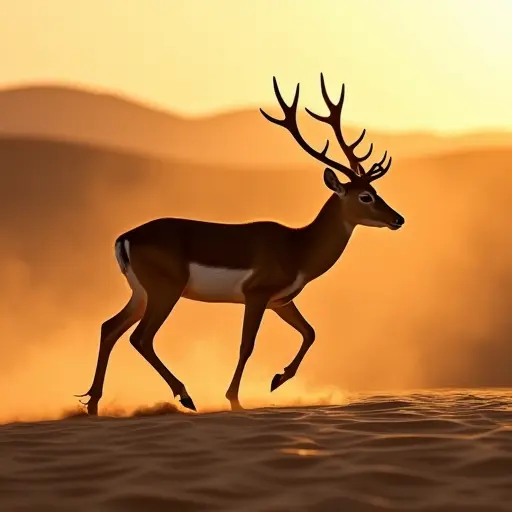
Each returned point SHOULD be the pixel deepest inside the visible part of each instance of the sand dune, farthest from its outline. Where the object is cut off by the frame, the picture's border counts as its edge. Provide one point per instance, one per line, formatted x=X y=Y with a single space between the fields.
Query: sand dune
x=239 y=138
x=437 y=452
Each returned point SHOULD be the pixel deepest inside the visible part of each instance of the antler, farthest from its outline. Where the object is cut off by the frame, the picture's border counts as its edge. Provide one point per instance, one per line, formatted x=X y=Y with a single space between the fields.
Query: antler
x=290 y=123
x=333 y=119
x=377 y=170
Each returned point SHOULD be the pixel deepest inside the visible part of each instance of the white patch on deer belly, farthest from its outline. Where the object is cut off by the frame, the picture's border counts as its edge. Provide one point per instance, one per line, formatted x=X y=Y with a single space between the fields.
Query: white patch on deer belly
x=215 y=284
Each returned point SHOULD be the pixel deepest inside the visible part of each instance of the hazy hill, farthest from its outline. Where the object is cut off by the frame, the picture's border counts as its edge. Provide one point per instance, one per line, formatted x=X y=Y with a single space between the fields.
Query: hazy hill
x=425 y=306
x=239 y=138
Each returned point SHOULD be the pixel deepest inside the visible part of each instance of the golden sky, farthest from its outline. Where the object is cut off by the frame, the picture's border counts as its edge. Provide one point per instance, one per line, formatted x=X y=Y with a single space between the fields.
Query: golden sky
x=408 y=64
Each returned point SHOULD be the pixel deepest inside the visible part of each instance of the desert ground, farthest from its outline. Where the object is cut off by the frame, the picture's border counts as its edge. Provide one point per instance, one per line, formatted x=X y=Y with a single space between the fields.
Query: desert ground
x=445 y=451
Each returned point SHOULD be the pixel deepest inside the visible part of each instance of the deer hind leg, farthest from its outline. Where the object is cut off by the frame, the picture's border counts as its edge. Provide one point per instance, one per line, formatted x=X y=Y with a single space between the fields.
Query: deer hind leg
x=163 y=285
x=254 y=310
x=160 y=305
x=111 y=331
x=292 y=316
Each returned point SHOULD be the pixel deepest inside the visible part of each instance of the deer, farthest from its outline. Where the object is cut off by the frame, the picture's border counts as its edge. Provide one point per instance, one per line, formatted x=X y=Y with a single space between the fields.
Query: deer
x=263 y=265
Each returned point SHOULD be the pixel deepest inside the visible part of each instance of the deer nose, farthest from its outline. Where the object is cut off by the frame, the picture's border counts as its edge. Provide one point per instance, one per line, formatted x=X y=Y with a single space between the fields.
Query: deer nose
x=397 y=222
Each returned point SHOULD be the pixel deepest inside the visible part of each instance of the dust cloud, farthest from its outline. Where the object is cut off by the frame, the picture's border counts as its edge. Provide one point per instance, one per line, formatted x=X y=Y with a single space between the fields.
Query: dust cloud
x=423 y=307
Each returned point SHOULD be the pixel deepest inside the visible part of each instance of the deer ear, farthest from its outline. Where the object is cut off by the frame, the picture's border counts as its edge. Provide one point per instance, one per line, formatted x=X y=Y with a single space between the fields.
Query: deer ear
x=332 y=182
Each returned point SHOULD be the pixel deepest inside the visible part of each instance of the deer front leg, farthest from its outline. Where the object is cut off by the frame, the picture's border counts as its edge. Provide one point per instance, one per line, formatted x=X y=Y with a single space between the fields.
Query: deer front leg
x=255 y=306
x=292 y=316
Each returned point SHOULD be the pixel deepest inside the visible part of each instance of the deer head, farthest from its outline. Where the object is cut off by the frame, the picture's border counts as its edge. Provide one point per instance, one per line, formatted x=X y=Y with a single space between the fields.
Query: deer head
x=358 y=198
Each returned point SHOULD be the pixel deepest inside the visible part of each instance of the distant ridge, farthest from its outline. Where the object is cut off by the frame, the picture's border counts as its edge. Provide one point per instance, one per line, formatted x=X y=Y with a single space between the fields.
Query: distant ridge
x=240 y=138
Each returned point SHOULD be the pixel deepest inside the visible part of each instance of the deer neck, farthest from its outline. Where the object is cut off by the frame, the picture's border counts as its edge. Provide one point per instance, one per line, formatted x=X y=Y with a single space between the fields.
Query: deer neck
x=323 y=241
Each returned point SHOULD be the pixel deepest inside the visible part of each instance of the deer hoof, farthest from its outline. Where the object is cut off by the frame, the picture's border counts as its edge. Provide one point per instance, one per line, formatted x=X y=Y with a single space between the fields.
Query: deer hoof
x=236 y=406
x=188 y=403
x=277 y=381
x=92 y=407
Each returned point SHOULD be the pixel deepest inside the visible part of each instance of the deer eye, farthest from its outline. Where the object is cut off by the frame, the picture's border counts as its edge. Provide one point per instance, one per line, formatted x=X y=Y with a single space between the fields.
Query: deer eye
x=366 y=197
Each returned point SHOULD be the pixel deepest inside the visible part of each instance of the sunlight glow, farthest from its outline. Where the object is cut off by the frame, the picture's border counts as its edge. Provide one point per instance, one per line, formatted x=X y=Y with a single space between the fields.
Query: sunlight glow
x=423 y=64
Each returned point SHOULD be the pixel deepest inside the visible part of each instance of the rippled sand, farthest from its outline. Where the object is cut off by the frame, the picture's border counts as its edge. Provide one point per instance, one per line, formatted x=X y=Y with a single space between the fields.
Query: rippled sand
x=449 y=451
